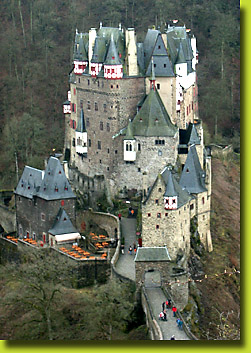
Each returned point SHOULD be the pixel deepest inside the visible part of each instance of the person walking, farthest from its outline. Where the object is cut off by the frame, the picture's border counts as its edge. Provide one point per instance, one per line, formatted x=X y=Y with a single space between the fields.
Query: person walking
x=119 y=215
x=169 y=303
x=163 y=306
x=180 y=324
x=174 y=309
x=134 y=248
x=161 y=315
x=130 y=250
x=164 y=312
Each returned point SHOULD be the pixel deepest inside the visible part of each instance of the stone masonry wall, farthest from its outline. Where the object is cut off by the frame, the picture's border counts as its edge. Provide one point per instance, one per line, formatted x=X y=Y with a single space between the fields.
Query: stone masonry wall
x=165 y=227
x=29 y=215
x=150 y=160
x=107 y=106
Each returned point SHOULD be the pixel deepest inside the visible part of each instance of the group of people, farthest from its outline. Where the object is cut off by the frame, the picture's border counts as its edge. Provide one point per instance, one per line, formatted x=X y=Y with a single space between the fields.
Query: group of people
x=162 y=315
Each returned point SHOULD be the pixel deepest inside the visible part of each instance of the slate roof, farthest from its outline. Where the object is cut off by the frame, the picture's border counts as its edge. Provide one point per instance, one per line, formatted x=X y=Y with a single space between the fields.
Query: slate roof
x=35 y=182
x=55 y=185
x=193 y=177
x=62 y=224
x=174 y=189
x=99 y=50
x=129 y=132
x=81 y=122
x=149 y=43
x=80 y=47
x=189 y=136
x=29 y=182
x=152 y=254
x=153 y=119
x=177 y=38
x=154 y=48
x=112 y=57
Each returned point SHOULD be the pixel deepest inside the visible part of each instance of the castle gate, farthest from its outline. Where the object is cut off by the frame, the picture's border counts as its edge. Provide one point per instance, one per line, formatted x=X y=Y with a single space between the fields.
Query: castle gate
x=152 y=279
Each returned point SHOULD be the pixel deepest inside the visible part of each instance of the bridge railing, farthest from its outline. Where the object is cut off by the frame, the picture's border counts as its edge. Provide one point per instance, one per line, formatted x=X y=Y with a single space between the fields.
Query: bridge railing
x=179 y=315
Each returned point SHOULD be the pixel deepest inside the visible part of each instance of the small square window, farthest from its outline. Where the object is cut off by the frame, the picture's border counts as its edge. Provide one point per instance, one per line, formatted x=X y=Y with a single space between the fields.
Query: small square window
x=157 y=226
x=149 y=214
x=116 y=152
x=158 y=215
x=139 y=169
x=156 y=201
x=158 y=86
x=166 y=214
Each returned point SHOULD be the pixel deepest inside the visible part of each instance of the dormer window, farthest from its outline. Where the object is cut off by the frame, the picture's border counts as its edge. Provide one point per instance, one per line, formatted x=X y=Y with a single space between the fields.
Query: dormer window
x=56 y=188
x=66 y=188
x=59 y=172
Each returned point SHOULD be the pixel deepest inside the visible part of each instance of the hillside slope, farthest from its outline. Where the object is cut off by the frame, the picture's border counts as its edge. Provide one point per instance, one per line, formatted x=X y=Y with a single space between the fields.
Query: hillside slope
x=217 y=295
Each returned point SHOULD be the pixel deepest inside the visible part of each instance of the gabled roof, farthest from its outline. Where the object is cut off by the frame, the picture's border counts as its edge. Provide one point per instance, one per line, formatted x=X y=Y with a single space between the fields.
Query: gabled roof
x=174 y=189
x=152 y=254
x=81 y=123
x=177 y=38
x=193 y=177
x=29 y=182
x=62 y=224
x=153 y=119
x=55 y=185
x=154 y=48
x=149 y=43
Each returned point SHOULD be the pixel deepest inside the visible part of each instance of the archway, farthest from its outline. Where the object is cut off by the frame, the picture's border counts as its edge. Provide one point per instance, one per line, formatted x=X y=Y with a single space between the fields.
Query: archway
x=152 y=278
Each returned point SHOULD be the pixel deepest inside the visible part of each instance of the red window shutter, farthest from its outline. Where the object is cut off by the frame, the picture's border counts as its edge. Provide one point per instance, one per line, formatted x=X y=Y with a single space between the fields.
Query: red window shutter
x=62 y=202
x=74 y=91
x=71 y=123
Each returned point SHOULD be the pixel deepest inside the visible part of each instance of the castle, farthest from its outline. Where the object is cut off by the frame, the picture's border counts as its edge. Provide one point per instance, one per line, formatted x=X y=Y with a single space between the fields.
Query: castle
x=132 y=116
x=131 y=123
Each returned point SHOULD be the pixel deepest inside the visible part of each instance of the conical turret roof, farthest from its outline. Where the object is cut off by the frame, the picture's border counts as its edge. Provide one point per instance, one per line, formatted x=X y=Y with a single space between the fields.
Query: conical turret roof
x=99 y=50
x=112 y=57
x=193 y=177
x=129 y=132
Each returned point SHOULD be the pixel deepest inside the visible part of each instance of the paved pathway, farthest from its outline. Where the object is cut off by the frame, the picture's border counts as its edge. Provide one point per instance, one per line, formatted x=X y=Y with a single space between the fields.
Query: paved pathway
x=125 y=264
x=126 y=267
x=156 y=298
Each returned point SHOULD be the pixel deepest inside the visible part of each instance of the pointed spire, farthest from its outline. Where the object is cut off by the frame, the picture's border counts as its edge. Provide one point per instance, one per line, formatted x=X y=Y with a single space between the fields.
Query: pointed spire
x=129 y=131
x=152 y=77
x=112 y=57
x=194 y=137
x=170 y=187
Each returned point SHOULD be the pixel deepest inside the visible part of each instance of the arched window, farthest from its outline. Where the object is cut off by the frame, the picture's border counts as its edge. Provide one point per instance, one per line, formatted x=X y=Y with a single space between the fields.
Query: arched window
x=128 y=146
